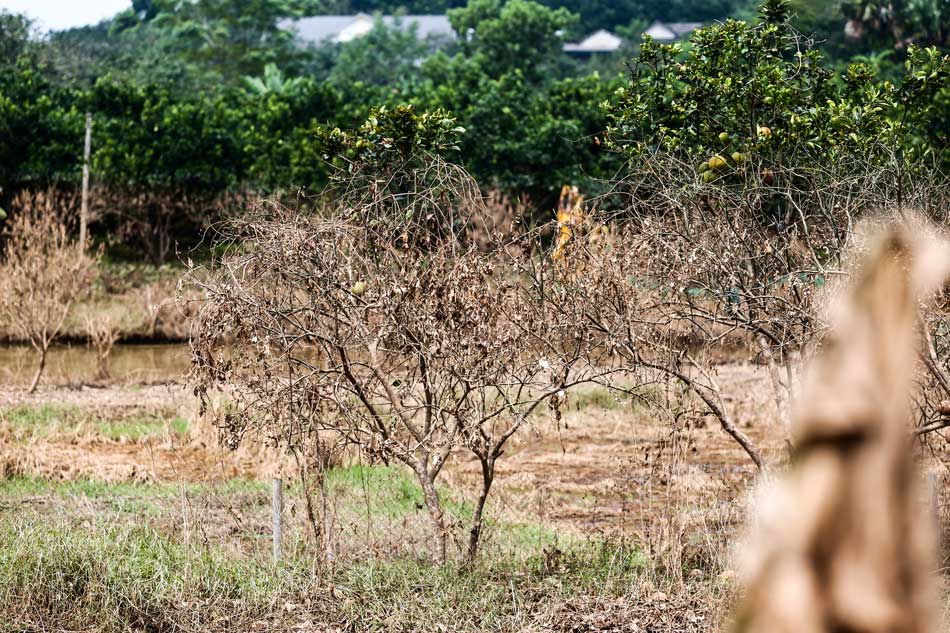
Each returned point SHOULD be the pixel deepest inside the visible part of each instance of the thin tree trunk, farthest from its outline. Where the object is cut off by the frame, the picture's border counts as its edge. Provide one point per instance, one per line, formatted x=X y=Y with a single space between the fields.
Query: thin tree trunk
x=793 y=374
x=434 y=506
x=780 y=389
x=712 y=398
x=39 y=370
x=475 y=533
x=103 y=350
x=304 y=476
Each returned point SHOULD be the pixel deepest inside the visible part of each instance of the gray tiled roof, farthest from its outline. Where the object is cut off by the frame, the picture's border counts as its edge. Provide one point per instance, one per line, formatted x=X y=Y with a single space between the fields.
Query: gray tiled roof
x=684 y=28
x=671 y=31
x=321 y=28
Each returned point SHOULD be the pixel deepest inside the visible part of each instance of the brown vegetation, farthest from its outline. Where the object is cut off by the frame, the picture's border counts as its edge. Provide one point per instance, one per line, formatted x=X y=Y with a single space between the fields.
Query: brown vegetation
x=404 y=353
x=845 y=543
x=42 y=274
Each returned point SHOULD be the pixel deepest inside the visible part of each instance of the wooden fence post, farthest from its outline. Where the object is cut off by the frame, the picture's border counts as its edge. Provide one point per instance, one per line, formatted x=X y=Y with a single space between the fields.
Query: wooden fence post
x=277 y=504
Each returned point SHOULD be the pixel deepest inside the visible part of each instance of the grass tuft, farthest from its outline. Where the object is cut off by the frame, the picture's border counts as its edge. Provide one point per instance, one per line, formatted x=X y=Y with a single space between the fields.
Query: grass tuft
x=47 y=420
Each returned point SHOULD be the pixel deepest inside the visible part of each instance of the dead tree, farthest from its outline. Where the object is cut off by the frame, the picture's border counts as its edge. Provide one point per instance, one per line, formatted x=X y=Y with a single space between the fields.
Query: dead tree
x=406 y=343
x=750 y=257
x=42 y=274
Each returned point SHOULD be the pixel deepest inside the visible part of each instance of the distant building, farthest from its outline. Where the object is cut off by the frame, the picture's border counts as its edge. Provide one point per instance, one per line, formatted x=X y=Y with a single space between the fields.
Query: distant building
x=601 y=42
x=337 y=29
x=671 y=31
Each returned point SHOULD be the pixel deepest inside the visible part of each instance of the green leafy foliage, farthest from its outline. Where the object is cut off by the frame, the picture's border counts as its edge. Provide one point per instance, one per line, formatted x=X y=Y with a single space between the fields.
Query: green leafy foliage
x=387 y=56
x=757 y=91
x=38 y=123
x=148 y=137
x=220 y=116
x=523 y=136
x=236 y=39
x=198 y=99
x=391 y=137
x=392 y=172
x=501 y=37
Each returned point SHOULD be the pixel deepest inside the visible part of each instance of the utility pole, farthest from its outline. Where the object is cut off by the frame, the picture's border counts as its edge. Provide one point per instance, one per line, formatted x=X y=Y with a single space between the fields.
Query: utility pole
x=84 y=210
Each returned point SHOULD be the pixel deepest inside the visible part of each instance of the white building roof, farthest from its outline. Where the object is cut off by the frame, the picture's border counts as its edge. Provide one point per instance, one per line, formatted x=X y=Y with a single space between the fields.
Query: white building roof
x=601 y=41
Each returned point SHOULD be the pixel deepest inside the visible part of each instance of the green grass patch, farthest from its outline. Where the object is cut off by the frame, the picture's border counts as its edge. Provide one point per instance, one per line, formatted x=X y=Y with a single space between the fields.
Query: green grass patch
x=30 y=486
x=131 y=498
x=45 y=420
x=110 y=575
x=41 y=417
x=117 y=578
x=497 y=594
x=599 y=398
x=395 y=488
x=389 y=490
x=140 y=427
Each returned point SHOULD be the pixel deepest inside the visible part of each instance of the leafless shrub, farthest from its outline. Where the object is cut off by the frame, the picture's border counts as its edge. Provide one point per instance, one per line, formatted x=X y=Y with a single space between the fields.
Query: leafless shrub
x=42 y=273
x=843 y=543
x=499 y=221
x=103 y=331
x=422 y=202
x=405 y=342
x=603 y=289
x=103 y=321
x=749 y=255
x=62 y=203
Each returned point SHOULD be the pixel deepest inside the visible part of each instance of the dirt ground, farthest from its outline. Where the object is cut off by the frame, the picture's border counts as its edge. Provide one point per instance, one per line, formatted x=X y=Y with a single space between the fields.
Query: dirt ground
x=605 y=467
x=673 y=484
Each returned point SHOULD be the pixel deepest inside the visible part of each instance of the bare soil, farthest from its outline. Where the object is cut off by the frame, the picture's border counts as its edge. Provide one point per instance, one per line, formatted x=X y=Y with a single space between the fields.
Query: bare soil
x=599 y=469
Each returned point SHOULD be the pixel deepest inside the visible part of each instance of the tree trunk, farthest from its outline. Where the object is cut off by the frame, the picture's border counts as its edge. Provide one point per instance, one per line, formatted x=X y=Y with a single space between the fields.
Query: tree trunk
x=474 y=535
x=434 y=506
x=102 y=365
x=780 y=389
x=793 y=366
x=39 y=370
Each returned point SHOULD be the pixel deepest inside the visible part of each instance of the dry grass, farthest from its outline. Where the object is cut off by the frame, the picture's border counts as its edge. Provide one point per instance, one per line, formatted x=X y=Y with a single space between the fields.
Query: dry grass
x=606 y=523
x=617 y=518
